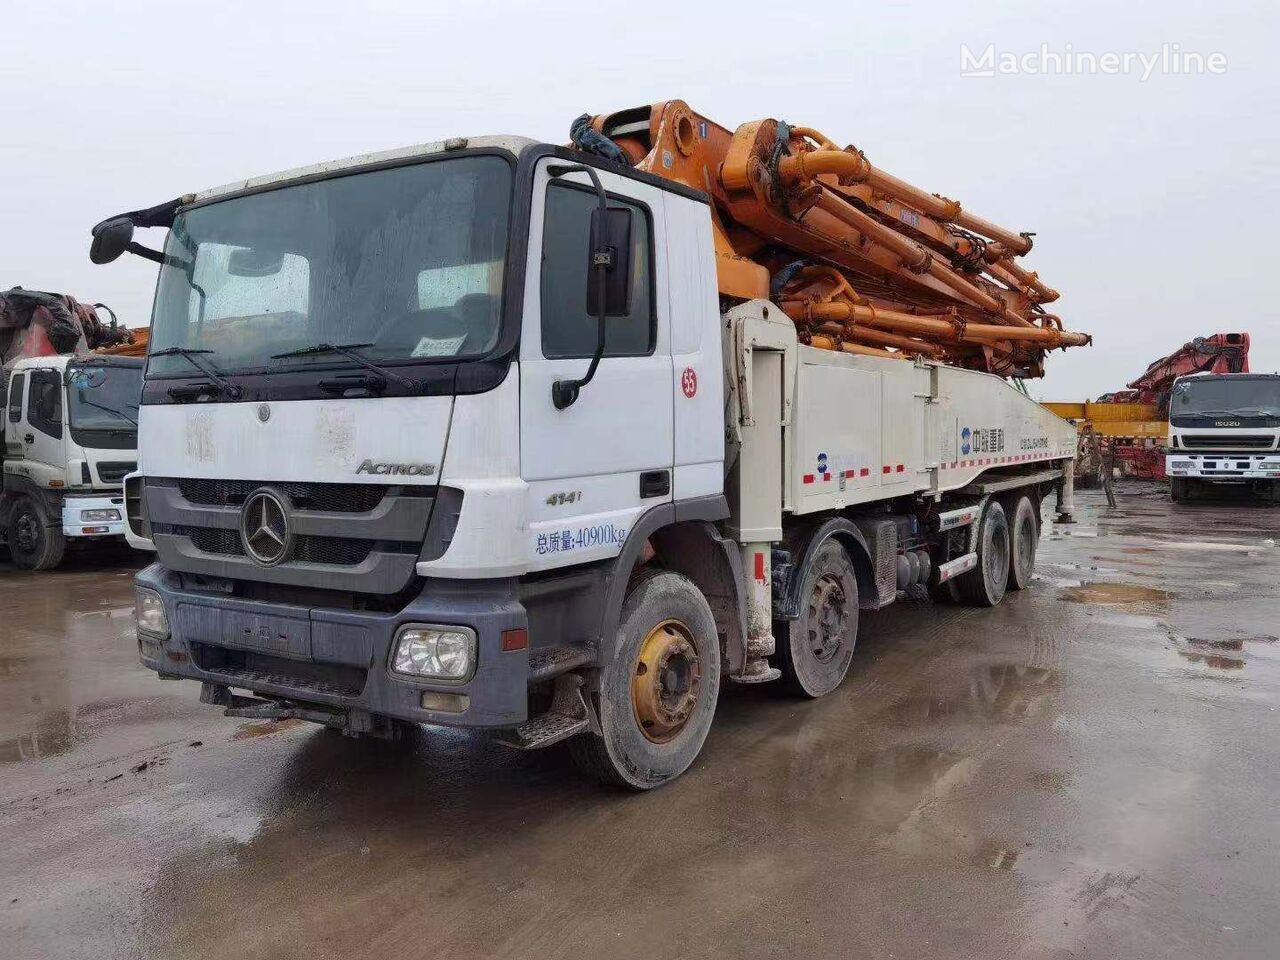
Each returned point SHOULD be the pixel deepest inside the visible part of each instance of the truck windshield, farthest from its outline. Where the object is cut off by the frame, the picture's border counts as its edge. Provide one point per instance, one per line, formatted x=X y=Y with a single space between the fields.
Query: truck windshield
x=103 y=397
x=1217 y=396
x=407 y=260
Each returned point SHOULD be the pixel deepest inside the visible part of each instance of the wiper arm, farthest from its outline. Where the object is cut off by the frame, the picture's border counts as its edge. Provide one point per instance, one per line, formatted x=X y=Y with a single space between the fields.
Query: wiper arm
x=191 y=355
x=349 y=350
x=112 y=410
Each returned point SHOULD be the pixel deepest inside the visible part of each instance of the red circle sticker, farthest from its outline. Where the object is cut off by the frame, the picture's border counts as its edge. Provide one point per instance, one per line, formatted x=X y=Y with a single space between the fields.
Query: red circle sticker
x=689 y=381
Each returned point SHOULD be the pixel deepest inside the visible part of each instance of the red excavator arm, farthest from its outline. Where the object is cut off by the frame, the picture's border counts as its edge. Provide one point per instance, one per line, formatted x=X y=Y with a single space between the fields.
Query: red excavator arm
x=1219 y=353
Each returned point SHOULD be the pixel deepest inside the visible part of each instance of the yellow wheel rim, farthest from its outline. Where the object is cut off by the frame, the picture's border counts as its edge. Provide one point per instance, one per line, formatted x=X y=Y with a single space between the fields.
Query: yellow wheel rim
x=665 y=681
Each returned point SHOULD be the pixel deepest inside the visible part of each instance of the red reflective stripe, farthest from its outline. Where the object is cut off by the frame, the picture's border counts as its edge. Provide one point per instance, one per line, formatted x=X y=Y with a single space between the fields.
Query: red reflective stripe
x=865 y=472
x=808 y=478
x=885 y=469
x=826 y=477
x=900 y=468
x=760 y=567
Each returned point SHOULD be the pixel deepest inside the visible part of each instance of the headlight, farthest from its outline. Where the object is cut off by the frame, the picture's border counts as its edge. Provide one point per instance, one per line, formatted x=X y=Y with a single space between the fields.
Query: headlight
x=435 y=653
x=98 y=516
x=151 y=616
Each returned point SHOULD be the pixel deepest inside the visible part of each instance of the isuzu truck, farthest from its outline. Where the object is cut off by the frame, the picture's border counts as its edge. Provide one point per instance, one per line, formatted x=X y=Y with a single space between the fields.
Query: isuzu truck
x=70 y=433
x=555 y=441
x=1224 y=433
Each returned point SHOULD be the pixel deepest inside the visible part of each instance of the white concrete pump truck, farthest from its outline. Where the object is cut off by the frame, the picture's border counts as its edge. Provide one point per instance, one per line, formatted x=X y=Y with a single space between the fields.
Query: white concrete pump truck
x=428 y=437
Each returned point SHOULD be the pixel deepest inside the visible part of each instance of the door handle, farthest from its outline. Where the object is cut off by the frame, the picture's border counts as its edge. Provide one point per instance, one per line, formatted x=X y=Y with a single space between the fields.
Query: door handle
x=30 y=438
x=655 y=483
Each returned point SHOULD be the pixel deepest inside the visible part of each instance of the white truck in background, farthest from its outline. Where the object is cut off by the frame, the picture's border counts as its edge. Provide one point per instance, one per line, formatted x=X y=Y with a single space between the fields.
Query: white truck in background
x=408 y=458
x=1224 y=432
x=70 y=436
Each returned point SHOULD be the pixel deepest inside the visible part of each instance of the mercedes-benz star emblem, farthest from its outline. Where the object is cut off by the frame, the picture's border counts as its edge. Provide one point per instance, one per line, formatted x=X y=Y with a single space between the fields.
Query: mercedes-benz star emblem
x=264 y=528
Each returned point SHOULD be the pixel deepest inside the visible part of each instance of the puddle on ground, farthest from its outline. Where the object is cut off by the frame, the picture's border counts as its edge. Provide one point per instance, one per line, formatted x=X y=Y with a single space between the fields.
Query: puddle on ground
x=1214 y=652
x=1237 y=644
x=1117 y=595
x=1092 y=568
x=1253 y=549
x=995 y=856
x=262 y=728
x=51 y=735
x=9 y=666
x=1217 y=661
x=997 y=692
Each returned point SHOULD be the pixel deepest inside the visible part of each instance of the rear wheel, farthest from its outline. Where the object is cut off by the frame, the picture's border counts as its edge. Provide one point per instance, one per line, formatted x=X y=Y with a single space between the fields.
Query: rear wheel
x=33 y=543
x=985 y=584
x=815 y=649
x=658 y=694
x=1023 y=537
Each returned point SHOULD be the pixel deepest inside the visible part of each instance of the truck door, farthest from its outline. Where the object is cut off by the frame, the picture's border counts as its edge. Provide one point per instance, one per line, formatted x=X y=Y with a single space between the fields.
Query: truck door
x=42 y=426
x=595 y=466
x=13 y=416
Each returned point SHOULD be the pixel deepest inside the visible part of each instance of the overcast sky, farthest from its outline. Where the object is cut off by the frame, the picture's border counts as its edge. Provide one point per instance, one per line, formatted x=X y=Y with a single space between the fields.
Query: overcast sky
x=1155 y=201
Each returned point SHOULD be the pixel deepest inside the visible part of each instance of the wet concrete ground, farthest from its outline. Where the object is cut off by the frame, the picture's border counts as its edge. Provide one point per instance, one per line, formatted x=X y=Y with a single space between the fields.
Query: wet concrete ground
x=1092 y=769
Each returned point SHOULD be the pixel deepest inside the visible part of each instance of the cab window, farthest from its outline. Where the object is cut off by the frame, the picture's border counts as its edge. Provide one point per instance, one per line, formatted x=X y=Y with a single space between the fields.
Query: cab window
x=15 y=397
x=44 y=405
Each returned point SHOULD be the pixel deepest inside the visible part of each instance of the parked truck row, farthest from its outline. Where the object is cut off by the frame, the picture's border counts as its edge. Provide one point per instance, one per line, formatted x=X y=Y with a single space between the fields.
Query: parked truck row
x=474 y=434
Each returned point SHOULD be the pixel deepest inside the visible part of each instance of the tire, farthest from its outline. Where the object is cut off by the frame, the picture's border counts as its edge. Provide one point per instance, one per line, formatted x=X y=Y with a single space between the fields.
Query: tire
x=1024 y=537
x=815 y=649
x=1177 y=489
x=33 y=543
x=985 y=584
x=650 y=734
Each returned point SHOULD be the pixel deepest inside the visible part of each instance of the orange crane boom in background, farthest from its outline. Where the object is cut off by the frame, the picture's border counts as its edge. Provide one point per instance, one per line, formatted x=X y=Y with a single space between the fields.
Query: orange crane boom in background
x=1132 y=425
x=860 y=260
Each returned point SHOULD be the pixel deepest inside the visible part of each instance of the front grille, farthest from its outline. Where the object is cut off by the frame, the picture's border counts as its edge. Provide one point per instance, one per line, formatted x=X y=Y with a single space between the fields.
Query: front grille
x=338 y=551
x=1240 y=441
x=326 y=497
x=113 y=471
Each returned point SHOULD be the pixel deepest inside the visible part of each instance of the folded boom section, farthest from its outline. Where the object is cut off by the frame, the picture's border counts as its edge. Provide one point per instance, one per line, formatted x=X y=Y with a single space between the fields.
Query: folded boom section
x=860 y=260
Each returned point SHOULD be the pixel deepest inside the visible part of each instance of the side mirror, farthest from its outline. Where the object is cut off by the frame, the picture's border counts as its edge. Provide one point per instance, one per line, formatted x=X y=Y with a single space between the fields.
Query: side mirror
x=611 y=240
x=110 y=239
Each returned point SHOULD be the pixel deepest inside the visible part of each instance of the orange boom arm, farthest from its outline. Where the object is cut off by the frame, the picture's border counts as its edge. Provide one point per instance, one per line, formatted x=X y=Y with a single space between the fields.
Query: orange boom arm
x=860 y=260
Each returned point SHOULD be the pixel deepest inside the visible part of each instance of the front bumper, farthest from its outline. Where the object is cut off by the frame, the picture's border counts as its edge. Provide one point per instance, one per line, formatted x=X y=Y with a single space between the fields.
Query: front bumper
x=1223 y=466
x=74 y=526
x=338 y=658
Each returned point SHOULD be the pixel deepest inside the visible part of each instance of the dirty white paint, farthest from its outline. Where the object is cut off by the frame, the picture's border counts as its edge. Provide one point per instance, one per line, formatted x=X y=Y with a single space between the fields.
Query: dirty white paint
x=314 y=440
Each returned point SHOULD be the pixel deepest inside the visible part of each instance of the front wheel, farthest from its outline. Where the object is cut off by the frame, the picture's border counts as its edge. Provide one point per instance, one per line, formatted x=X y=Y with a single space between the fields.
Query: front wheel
x=816 y=648
x=1178 y=489
x=33 y=543
x=658 y=694
x=985 y=584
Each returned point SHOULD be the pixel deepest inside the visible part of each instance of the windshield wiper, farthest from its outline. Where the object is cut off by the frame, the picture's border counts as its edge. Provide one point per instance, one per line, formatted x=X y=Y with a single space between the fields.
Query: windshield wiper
x=191 y=355
x=349 y=350
x=112 y=410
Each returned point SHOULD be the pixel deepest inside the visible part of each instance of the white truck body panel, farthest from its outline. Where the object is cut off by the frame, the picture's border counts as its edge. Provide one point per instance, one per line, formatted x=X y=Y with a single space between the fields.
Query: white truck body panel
x=860 y=429
x=866 y=429
x=322 y=441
